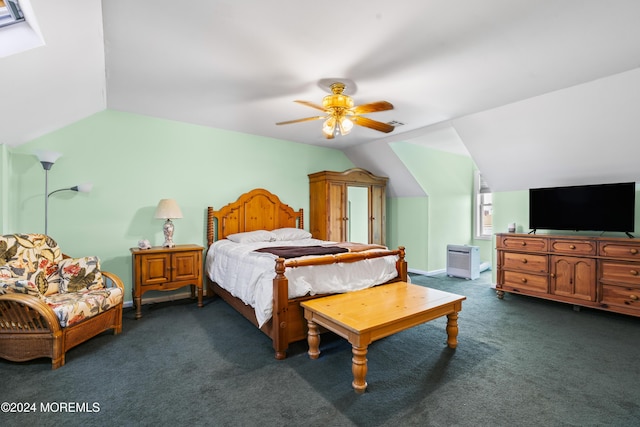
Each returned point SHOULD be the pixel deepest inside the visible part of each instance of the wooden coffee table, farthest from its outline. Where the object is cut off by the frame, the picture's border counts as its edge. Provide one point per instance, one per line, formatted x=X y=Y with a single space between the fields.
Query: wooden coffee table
x=362 y=317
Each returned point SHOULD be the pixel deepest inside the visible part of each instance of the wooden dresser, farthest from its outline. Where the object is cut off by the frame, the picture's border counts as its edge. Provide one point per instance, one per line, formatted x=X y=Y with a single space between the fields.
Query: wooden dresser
x=597 y=272
x=334 y=212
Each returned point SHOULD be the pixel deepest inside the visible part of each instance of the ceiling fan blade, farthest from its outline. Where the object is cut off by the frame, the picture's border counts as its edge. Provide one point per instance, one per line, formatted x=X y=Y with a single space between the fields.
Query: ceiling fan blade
x=310 y=104
x=372 y=124
x=306 y=119
x=372 y=107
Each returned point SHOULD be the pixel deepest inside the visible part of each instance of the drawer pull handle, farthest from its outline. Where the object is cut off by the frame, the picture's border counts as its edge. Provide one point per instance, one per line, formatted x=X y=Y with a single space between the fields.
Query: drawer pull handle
x=572 y=246
x=524 y=260
x=633 y=251
x=633 y=297
x=633 y=272
x=524 y=243
x=524 y=280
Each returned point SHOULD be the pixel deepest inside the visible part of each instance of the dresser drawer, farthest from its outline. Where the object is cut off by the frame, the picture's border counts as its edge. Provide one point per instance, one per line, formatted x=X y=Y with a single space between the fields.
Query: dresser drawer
x=573 y=247
x=525 y=243
x=620 y=272
x=619 y=250
x=525 y=262
x=526 y=282
x=621 y=296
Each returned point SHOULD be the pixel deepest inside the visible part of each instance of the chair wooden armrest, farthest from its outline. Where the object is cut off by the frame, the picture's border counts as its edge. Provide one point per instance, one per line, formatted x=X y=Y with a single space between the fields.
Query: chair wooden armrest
x=115 y=281
x=26 y=313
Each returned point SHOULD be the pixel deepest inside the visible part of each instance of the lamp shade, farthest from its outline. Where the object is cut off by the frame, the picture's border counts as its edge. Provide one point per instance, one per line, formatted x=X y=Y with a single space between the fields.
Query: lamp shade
x=47 y=158
x=83 y=188
x=168 y=209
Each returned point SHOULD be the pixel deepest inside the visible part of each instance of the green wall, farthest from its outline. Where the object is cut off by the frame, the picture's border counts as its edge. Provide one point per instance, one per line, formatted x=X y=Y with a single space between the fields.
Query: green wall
x=134 y=161
x=407 y=225
x=448 y=181
x=4 y=192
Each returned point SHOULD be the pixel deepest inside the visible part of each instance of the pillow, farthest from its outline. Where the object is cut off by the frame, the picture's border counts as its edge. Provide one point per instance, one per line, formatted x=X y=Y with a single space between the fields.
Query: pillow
x=78 y=274
x=291 y=234
x=252 y=237
x=46 y=277
x=19 y=286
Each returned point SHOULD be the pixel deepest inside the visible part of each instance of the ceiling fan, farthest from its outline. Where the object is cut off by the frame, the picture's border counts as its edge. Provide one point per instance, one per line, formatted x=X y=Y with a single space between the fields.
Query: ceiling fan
x=341 y=114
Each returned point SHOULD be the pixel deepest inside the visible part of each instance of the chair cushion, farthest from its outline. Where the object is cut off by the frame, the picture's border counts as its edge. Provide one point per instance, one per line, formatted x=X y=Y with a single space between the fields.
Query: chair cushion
x=72 y=308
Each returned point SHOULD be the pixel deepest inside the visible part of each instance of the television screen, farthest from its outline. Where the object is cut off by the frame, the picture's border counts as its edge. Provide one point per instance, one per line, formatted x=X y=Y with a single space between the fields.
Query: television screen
x=604 y=207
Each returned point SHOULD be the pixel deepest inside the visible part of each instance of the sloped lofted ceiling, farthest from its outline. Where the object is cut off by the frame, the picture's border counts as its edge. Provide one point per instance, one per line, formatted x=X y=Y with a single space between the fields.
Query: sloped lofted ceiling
x=539 y=92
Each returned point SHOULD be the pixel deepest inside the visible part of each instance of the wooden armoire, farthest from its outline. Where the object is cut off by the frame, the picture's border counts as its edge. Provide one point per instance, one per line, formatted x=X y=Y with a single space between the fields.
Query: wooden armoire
x=348 y=206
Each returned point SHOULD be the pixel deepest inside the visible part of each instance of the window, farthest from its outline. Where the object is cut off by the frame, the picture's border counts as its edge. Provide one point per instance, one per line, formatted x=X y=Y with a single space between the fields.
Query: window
x=483 y=209
x=10 y=12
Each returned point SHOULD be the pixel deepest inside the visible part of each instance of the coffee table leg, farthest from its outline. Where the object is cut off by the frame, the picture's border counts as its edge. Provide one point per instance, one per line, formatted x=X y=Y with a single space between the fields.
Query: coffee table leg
x=313 y=338
x=452 y=330
x=359 y=368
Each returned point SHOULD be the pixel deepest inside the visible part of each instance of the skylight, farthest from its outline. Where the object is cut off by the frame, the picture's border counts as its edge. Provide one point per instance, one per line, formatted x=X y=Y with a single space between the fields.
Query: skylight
x=10 y=12
x=18 y=27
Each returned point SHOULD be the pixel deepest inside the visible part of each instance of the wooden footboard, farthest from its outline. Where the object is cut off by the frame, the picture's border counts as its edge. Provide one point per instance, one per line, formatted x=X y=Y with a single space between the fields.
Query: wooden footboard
x=288 y=323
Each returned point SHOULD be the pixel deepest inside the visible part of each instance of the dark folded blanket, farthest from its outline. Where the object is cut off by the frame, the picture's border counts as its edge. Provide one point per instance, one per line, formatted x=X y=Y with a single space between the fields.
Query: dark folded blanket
x=298 y=251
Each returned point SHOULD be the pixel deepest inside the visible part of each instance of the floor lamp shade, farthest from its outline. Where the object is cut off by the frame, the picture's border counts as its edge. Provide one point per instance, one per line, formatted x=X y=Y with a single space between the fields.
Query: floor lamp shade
x=168 y=209
x=47 y=158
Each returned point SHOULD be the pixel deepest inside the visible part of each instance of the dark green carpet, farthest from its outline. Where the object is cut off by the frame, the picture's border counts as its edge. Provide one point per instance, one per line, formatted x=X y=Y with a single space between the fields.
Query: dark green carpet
x=519 y=362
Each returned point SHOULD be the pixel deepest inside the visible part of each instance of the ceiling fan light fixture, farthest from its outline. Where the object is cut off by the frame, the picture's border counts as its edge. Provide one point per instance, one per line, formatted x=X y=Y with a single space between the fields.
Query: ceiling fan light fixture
x=329 y=126
x=345 y=125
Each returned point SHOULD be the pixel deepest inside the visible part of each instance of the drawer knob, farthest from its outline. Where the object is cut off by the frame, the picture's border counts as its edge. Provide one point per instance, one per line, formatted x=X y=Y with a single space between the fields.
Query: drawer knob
x=633 y=272
x=524 y=243
x=572 y=246
x=633 y=297
x=524 y=260
x=633 y=251
x=524 y=280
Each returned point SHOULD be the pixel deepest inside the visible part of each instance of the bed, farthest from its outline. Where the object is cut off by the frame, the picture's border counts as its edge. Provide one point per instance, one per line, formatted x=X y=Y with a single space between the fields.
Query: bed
x=260 y=211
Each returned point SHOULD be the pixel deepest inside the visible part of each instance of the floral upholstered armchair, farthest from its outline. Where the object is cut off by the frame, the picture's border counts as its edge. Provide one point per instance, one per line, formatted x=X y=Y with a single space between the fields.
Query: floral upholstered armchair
x=50 y=302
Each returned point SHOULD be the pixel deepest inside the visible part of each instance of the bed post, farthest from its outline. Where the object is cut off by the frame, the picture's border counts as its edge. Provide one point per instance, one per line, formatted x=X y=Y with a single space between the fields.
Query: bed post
x=280 y=310
x=210 y=227
x=401 y=265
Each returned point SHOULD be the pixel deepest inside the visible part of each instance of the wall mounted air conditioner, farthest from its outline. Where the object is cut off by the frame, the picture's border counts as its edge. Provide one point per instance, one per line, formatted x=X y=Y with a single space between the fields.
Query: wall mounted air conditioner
x=463 y=261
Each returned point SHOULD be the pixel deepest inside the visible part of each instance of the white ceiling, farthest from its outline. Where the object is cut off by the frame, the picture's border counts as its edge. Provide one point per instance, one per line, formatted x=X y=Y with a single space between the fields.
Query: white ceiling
x=537 y=82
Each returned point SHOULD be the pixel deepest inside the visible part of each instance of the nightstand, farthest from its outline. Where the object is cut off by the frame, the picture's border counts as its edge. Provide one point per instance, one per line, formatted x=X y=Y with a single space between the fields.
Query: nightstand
x=166 y=269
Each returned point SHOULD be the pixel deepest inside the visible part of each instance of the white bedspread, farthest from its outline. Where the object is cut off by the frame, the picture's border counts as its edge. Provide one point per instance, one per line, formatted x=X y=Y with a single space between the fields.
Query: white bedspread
x=249 y=275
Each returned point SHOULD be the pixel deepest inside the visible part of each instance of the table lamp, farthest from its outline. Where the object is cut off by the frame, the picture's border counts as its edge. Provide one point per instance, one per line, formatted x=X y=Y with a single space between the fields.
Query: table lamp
x=168 y=209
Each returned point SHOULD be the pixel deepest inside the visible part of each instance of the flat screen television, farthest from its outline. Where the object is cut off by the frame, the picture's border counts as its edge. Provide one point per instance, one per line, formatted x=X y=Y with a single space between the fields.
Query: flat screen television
x=602 y=207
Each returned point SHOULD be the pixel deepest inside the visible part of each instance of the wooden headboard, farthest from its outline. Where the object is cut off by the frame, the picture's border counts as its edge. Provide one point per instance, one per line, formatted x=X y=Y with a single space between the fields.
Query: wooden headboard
x=257 y=209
